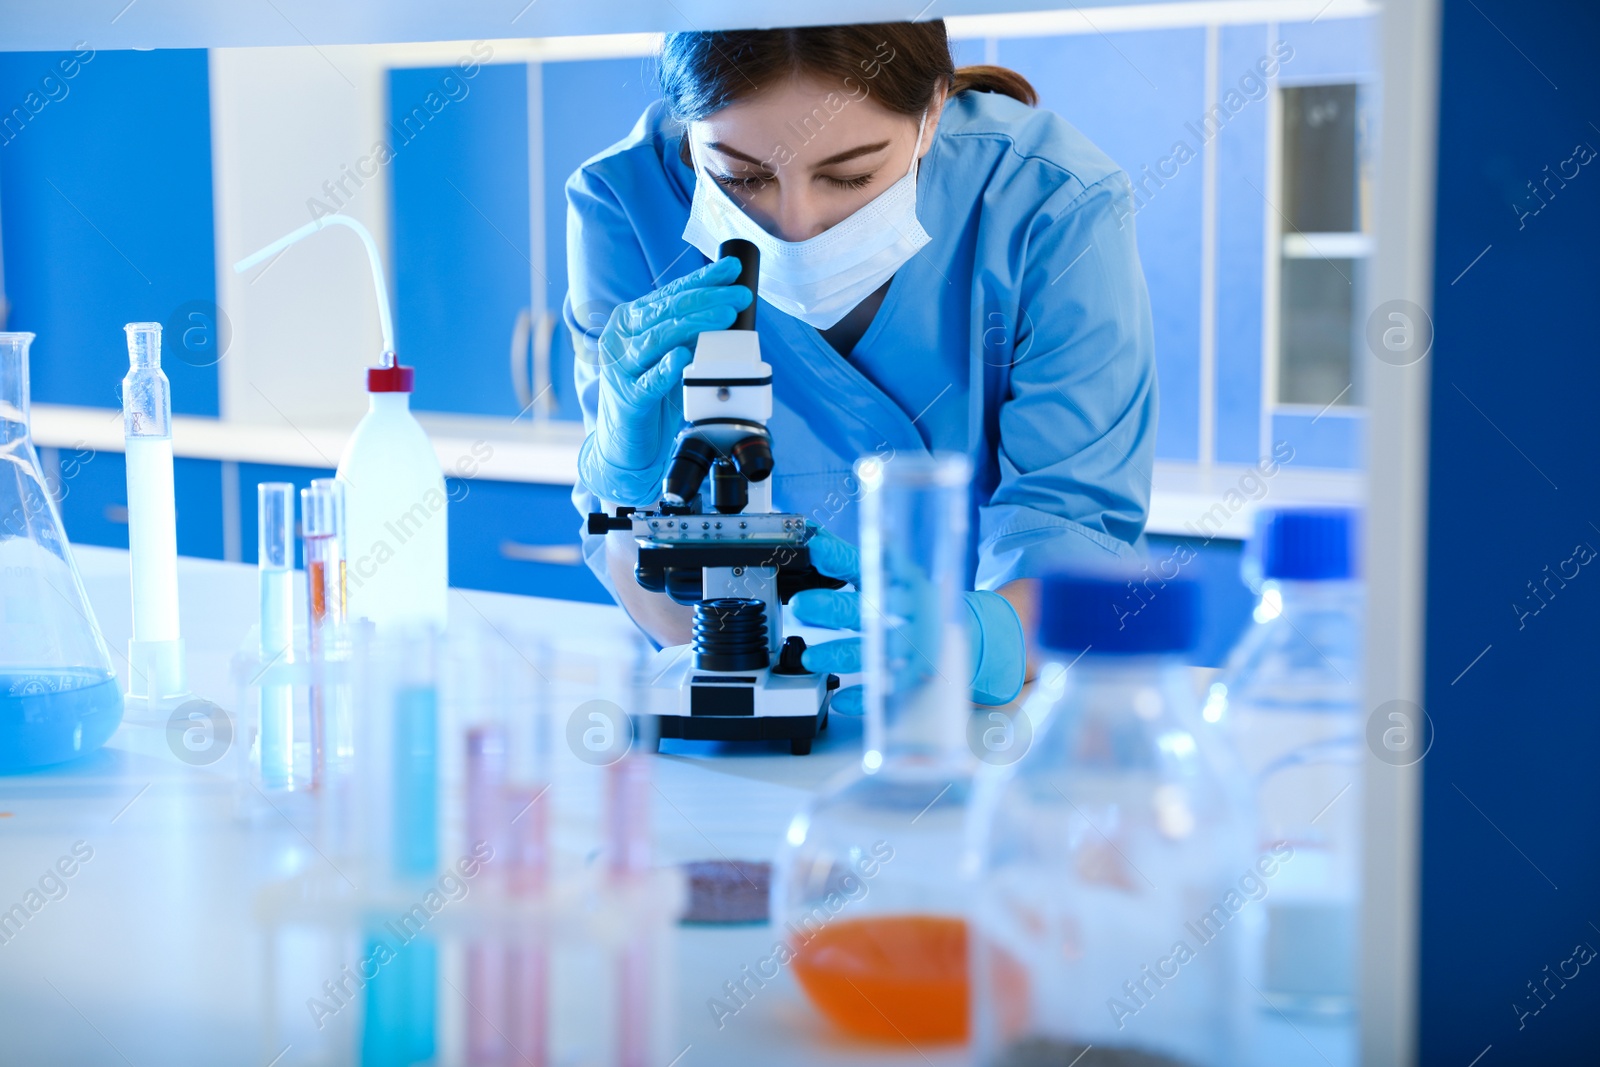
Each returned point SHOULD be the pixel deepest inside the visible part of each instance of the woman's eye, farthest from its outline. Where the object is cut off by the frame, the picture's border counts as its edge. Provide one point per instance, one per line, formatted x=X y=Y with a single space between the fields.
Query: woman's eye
x=747 y=183
x=855 y=182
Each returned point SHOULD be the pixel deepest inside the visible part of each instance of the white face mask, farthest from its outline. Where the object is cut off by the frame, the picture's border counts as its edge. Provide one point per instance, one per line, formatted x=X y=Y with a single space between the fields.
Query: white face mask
x=821 y=279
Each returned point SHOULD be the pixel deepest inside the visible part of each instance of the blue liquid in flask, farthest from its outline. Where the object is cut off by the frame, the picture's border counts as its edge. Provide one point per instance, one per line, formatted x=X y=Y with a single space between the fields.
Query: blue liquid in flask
x=52 y=716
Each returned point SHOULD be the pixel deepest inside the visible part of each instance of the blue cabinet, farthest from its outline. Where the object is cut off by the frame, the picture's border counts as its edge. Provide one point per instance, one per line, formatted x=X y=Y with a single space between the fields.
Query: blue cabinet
x=473 y=236
x=461 y=238
x=105 y=189
x=93 y=488
x=516 y=538
x=1132 y=94
x=588 y=105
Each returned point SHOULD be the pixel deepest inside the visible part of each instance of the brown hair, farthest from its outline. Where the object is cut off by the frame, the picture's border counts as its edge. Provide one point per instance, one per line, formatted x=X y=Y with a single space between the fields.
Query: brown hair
x=900 y=64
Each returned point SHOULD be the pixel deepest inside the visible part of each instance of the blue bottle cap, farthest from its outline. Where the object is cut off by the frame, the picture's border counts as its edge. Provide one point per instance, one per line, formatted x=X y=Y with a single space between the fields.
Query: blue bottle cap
x=1123 y=610
x=1308 y=544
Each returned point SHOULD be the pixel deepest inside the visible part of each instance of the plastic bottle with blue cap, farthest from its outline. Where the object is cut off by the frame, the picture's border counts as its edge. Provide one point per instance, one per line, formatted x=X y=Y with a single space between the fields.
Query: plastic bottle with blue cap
x=1114 y=857
x=1290 y=702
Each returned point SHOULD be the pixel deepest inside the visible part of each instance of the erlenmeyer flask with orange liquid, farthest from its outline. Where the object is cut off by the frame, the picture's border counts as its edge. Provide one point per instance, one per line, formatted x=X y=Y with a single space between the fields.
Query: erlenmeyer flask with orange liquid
x=59 y=696
x=867 y=890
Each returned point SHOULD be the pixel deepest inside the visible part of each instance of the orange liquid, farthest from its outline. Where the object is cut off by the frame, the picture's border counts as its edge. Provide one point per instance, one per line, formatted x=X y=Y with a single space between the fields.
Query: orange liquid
x=899 y=978
x=317 y=584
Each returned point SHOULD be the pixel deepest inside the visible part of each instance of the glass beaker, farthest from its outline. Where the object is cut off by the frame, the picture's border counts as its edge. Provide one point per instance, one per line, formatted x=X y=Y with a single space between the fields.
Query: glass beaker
x=58 y=692
x=867 y=888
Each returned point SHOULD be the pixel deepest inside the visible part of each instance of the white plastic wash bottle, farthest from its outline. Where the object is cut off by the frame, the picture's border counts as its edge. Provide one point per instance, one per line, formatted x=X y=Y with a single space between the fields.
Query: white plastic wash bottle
x=398 y=521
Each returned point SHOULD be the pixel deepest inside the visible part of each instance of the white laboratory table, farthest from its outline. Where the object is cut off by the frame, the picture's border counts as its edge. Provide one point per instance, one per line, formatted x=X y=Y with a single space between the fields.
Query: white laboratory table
x=152 y=956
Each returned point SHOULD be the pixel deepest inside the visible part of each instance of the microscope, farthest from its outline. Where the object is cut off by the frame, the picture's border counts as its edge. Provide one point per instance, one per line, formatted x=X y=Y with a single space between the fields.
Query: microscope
x=715 y=543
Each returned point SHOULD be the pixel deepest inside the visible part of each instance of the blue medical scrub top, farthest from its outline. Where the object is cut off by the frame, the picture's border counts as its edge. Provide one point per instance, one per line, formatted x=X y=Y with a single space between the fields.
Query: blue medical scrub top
x=1019 y=335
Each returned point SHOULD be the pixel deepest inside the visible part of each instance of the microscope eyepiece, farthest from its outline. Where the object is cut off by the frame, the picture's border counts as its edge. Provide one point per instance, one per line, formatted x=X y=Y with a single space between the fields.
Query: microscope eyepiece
x=749 y=257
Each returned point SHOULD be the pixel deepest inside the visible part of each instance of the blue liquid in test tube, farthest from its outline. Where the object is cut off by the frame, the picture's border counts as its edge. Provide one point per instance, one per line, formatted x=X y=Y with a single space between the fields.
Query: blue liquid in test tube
x=399 y=1028
x=415 y=819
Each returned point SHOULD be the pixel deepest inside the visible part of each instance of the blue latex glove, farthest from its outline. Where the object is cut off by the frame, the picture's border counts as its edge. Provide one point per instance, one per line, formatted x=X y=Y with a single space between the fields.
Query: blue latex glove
x=999 y=655
x=642 y=352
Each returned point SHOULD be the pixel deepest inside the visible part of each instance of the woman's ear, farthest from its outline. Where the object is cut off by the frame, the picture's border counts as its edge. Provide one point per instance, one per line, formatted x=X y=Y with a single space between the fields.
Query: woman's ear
x=935 y=109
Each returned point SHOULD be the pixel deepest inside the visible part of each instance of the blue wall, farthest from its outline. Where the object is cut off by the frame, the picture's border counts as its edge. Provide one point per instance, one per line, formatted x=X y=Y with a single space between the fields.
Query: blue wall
x=1510 y=838
x=105 y=186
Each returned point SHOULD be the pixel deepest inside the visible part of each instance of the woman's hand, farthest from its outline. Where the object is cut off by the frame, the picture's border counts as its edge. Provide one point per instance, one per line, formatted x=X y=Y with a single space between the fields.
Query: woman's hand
x=911 y=617
x=643 y=350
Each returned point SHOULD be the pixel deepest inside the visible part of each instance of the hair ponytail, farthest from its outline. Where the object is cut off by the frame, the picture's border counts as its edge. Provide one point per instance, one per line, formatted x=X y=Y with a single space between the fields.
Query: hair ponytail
x=986 y=78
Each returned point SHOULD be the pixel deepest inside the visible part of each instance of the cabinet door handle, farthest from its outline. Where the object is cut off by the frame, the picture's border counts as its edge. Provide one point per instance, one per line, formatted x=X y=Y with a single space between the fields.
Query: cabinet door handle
x=555 y=555
x=520 y=385
x=544 y=397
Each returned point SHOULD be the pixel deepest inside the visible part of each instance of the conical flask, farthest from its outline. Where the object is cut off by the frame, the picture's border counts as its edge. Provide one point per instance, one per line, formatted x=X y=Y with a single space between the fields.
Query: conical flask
x=58 y=692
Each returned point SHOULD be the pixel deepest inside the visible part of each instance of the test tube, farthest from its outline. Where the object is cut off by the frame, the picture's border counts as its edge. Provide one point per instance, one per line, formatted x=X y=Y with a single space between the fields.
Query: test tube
x=319 y=535
x=508 y=774
x=402 y=1005
x=414 y=768
x=913 y=569
x=339 y=585
x=627 y=804
x=628 y=829
x=486 y=778
x=275 y=563
x=156 y=654
x=338 y=700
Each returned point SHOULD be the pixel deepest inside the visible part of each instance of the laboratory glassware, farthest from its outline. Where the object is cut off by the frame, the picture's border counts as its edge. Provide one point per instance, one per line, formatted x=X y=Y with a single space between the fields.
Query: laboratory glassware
x=155 y=653
x=506 y=708
x=398 y=523
x=1119 y=899
x=867 y=889
x=339 y=582
x=1290 y=701
x=457 y=937
x=275 y=565
x=332 y=737
x=59 y=696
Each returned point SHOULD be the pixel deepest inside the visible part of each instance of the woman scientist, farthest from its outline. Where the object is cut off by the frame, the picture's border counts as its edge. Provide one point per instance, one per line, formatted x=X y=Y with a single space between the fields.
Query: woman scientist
x=943 y=267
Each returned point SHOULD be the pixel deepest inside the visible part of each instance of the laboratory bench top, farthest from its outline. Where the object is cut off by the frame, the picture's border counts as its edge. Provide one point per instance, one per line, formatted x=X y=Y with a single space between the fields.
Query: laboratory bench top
x=154 y=955
x=1187 y=499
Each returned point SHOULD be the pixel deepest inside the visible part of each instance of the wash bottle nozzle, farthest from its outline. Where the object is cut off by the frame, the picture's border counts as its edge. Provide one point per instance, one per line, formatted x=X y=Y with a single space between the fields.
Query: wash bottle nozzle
x=381 y=287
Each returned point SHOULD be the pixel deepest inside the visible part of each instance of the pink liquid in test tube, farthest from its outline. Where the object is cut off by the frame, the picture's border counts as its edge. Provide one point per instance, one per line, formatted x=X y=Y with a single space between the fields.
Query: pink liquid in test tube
x=628 y=832
x=508 y=985
x=486 y=776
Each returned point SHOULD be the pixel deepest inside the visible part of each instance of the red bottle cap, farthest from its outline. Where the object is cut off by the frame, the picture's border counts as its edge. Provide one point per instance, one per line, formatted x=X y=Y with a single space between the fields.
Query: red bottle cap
x=395 y=379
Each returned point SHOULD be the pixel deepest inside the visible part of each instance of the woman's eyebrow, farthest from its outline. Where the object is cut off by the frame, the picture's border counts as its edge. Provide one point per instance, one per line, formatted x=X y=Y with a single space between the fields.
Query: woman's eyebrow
x=735 y=153
x=852 y=153
x=838 y=157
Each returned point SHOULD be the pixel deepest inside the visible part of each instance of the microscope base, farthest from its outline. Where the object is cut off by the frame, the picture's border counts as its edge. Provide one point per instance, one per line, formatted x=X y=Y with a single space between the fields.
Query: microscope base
x=697 y=705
